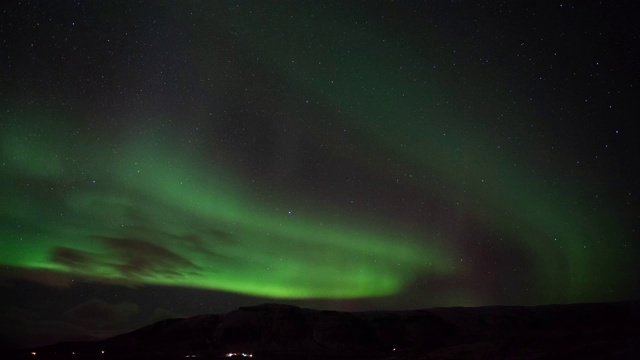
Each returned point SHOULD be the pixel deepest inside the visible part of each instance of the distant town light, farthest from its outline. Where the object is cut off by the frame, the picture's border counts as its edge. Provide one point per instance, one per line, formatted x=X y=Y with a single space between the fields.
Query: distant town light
x=33 y=353
x=238 y=355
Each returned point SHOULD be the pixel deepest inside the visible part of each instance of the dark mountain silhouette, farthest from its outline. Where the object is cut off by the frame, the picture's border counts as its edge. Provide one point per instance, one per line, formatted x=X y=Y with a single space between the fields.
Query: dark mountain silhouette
x=586 y=331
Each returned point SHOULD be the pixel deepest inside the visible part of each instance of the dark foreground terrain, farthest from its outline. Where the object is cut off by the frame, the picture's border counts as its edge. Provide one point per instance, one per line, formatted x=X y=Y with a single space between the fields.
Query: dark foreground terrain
x=271 y=331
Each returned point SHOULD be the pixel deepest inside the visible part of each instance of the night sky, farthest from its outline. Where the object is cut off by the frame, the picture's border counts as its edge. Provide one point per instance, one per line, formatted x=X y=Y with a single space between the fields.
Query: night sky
x=169 y=158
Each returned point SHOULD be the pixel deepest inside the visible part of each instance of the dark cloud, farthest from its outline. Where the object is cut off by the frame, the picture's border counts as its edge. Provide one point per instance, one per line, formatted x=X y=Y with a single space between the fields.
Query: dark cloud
x=98 y=313
x=55 y=278
x=201 y=241
x=129 y=257
x=45 y=277
x=73 y=258
x=137 y=257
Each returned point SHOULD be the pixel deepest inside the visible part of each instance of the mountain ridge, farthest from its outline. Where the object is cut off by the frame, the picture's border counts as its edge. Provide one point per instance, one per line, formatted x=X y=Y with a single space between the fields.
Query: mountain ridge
x=278 y=331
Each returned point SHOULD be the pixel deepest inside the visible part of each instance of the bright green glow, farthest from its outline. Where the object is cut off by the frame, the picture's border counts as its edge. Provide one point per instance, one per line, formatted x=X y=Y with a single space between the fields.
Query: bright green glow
x=391 y=99
x=151 y=214
x=198 y=226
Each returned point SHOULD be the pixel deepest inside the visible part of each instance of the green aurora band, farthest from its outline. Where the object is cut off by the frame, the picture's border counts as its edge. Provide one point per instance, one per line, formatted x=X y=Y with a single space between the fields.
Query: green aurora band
x=147 y=215
x=150 y=211
x=383 y=91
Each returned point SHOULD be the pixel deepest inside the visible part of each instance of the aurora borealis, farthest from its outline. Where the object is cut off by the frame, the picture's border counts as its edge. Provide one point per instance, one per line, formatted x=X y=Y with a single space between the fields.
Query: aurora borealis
x=154 y=218
x=162 y=159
